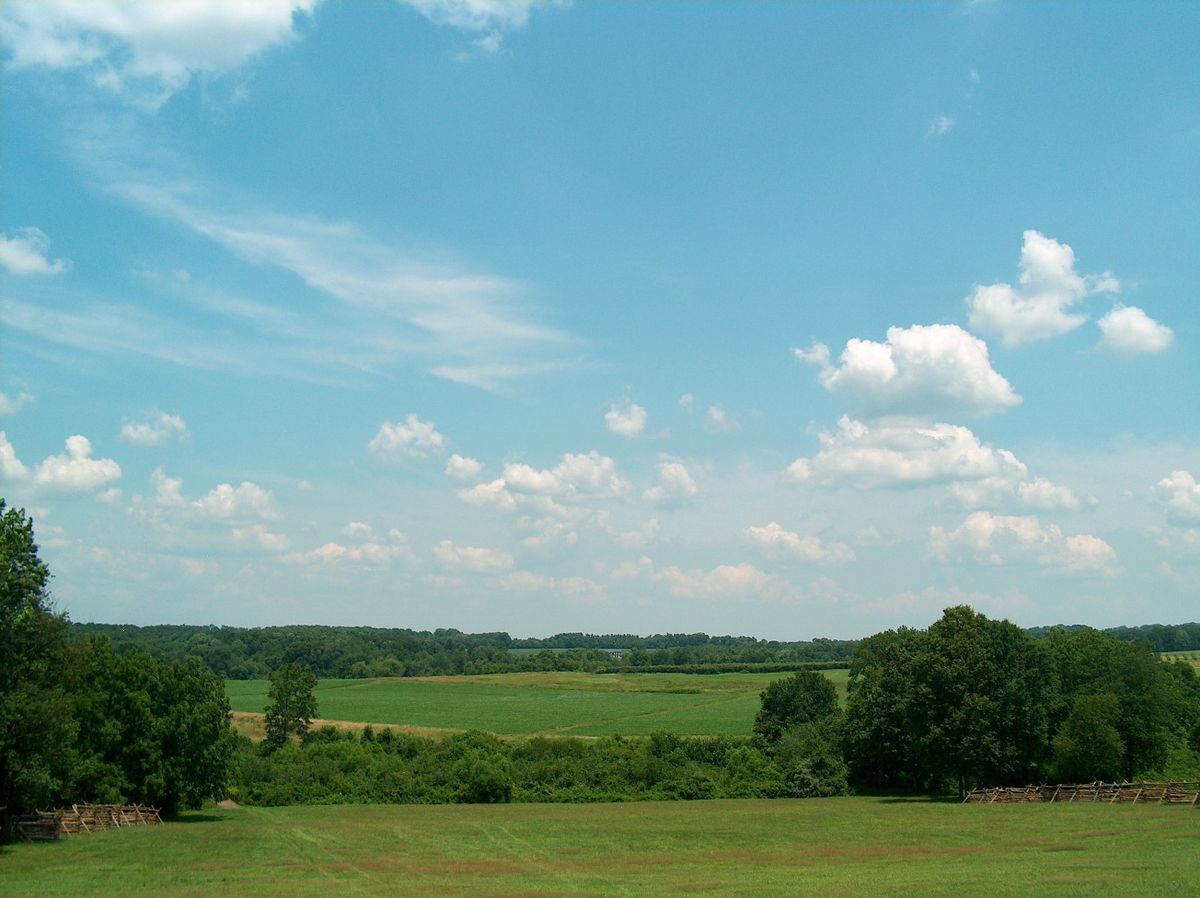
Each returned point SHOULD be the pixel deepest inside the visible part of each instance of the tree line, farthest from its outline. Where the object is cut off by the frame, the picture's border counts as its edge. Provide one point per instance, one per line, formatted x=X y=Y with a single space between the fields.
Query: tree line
x=81 y=721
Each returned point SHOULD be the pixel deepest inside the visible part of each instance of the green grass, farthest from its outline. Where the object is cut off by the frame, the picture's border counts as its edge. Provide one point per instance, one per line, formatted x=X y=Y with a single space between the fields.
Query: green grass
x=734 y=849
x=571 y=704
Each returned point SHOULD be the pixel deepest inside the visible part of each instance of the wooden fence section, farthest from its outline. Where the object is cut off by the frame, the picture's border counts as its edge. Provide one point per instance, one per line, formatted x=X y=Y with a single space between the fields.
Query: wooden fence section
x=83 y=818
x=1158 y=793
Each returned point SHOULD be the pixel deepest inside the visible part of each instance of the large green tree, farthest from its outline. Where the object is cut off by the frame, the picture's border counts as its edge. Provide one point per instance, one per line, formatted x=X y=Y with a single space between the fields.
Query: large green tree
x=804 y=697
x=36 y=732
x=291 y=704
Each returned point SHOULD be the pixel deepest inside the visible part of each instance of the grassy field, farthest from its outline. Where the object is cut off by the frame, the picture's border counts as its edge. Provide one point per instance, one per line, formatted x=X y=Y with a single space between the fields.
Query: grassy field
x=740 y=849
x=569 y=704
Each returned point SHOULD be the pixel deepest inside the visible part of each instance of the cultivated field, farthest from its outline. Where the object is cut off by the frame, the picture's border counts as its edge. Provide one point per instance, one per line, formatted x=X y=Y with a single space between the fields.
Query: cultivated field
x=1192 y=657
x=567 y=704
x=739 y=849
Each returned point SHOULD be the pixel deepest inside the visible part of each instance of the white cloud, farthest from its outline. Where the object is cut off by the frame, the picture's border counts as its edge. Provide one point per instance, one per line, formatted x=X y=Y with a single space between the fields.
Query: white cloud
x=1039 y=307
x=471 y=558
x=1000 y=539
x=940 y=126
x=158 y=430
x=810 y=548
x=10 y=405
x=493 y=16
x=640 y=538
x=76 y=470
x=247 y=500
x=717 y=420
x=11 y=467
x=675 y=484
x=627 y=419
x=370 y=553
x=25 y=253
x=357 y=529
x=577 y=588
x=146 y=51
x=168 y=491
x=896 y=452
x=462 y=468
x=1127 y=331
x=1013 y=489
x=260 y=536
x=740 y=581
x=1181 y=494
x=577 y=476
x=923 y=369
x=686 y=402
x=493 y=493
x=412 y=438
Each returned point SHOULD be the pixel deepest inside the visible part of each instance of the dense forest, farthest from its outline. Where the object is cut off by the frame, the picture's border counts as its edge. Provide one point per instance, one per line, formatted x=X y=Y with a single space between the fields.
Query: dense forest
x=242 y=653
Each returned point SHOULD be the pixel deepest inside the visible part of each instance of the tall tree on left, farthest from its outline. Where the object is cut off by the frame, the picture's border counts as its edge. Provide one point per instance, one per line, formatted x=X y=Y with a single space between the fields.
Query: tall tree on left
x=36 y=727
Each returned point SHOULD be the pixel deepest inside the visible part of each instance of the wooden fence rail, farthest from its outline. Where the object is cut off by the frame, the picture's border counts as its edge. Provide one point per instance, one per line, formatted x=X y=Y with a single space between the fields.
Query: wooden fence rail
x=1157 y=793
x=83 y=818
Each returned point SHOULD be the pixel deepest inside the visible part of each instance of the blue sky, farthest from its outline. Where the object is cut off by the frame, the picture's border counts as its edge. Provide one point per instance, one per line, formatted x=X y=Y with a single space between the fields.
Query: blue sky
x=785 y=320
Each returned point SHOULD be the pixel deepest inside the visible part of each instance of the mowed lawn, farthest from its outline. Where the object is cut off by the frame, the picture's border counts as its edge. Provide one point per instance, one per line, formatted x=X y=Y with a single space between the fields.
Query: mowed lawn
x=569 y=704
x=740 y=849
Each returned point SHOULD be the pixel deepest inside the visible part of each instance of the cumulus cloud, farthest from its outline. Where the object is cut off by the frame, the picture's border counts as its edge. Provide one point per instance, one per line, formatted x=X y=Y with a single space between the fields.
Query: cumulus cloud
x=75 y=470
x=810 y=548
x=412 y=438
x=158 y=430
x=1181 y=494
x=24 y=254
x=897 y=452
x=462 y=468
x=144 y=51
x=471 y=558
x=1127 y=331
x=489 y=18
x=1038 y=492
x=627 y=419
x=924 y=369
x=675 y=484
x=168 y=491
x=577 y=476
x=357 y=529
x=11 y=467
x=739 y=581
x=1000 y=539
x=1040 y=306
x=10 y=405
x=493 y=493
x=259 y=536
x=247 y=500
x=373 y=552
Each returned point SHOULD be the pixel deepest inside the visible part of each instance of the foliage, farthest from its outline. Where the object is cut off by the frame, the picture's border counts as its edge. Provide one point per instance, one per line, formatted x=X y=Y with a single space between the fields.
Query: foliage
x=79 y=721
x=291 y=705
x=803 y=698
x=35 y=729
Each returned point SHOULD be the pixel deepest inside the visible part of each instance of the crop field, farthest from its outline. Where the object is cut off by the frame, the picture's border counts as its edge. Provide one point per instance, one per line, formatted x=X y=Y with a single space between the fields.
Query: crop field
x=568 y=704
x=738 y=849
x=1192 y=657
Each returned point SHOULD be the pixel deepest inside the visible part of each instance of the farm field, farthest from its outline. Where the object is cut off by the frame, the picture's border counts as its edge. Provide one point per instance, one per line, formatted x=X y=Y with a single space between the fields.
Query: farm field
x=567 y=704
x=739 y=849
x=1192 y=657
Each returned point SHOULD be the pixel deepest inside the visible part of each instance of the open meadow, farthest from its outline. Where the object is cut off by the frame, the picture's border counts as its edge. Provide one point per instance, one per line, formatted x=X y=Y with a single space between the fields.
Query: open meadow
x=547 y=704
x=748 y=849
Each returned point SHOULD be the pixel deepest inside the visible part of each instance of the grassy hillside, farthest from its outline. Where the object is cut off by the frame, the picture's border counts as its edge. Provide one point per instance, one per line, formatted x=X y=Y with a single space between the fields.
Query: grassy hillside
x=574 y=704
x=735 y=849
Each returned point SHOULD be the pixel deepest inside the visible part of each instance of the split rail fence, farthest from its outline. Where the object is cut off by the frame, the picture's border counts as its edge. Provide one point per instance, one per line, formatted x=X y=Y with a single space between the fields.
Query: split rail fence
x=83 y=818
x=1146 y=793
